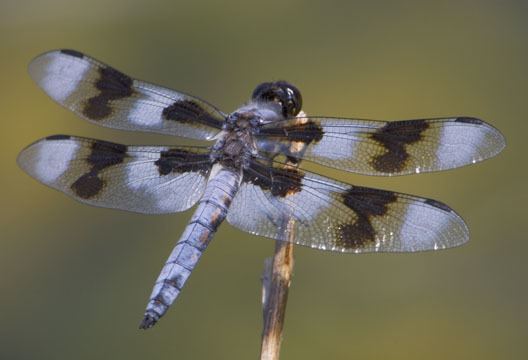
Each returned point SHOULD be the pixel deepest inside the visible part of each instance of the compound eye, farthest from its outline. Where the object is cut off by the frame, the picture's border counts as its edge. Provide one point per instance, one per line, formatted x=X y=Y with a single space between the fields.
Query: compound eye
x=293 y=105
x=287 y=95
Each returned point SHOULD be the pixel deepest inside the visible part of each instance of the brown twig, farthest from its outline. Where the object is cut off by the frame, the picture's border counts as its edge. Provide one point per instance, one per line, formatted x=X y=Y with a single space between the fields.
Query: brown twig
x=276 y=281
x=276 y=278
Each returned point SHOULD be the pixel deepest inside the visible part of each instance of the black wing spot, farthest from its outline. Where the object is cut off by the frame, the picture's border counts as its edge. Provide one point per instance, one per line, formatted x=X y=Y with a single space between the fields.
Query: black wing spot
x=180 y=161
x=73 y=53
x=438 y=204
x=293 y=159
x=189 y=112
x=280 y=182
x=286 y=182
x=306 y=133
x=112 y=85
x=58 y=137
x=366 y=203
x=88 y=185
x=104 y=154
x=394 y=137
x=469 y=120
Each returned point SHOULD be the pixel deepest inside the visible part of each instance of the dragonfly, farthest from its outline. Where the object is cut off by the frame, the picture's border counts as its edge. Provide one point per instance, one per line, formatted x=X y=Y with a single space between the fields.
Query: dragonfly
x=253 y=171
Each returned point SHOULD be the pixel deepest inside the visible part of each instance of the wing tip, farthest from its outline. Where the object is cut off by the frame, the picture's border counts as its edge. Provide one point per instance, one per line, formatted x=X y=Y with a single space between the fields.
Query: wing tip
x=495 y=134
x=475 y=140
x=46 y=159
x=442 y=227
x=54 y=137
x=37 y=61
x=23 y=156
x=58 y=72
x=71 y=52
x=22 y=161
x=64 y=51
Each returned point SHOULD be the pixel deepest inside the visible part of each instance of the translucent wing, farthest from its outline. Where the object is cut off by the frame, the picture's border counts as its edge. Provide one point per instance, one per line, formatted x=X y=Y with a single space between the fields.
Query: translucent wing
x=284 y=203
x=105 y=96
x=144 y=179
x=383 y=148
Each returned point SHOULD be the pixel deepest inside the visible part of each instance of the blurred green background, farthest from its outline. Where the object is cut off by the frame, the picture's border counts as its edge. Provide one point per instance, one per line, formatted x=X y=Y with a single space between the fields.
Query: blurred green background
x=74 y=280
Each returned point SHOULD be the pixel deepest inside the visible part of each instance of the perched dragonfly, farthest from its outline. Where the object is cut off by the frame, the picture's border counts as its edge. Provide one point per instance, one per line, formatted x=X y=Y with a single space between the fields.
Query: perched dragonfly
x=253 y=173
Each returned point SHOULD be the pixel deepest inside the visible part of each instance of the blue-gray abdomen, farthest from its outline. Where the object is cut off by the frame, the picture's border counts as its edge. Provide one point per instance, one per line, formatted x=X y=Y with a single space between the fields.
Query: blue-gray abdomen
x=211 y=211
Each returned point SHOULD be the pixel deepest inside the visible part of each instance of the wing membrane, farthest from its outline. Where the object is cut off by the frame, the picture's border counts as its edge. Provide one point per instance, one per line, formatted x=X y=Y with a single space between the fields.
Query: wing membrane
x=287 y=204
x=105 y=96
x=384 y=148
x=144 y=179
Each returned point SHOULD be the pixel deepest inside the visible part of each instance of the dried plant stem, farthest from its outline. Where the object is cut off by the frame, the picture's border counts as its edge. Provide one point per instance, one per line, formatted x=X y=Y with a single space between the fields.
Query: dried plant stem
x=276 y=281
x=277 y=275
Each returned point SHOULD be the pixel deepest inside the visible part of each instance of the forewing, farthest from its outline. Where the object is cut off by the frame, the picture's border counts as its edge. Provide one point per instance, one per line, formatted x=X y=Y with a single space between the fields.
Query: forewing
x=291 y=205
x=144 y=179
x=383 y=148
x=105 y=96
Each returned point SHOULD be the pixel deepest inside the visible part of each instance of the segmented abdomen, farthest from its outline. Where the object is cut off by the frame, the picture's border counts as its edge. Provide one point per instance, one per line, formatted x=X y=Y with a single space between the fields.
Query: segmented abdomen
x=211 y=211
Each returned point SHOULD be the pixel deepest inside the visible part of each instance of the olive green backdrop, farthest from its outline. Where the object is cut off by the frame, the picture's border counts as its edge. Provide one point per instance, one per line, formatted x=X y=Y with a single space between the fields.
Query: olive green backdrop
x=74 y=280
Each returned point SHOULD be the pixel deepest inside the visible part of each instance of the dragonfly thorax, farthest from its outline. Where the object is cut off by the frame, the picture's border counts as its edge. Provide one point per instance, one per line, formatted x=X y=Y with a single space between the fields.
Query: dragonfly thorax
x=253 y=115
x=236 y=143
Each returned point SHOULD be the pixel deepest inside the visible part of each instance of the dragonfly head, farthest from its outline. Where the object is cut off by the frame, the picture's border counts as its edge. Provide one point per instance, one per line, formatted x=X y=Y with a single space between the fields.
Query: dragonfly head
x=282 y=92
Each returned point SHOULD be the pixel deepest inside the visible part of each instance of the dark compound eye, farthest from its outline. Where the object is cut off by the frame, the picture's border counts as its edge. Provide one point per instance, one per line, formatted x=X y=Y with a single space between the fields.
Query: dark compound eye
x=287 y=95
